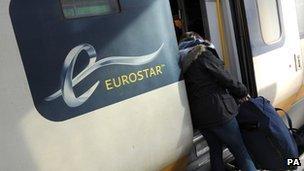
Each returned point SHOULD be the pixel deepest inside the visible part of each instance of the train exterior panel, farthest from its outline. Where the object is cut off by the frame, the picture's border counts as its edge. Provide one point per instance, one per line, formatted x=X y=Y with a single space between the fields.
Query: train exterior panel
x=96 y=85
x=276 y=50
x=96 y=124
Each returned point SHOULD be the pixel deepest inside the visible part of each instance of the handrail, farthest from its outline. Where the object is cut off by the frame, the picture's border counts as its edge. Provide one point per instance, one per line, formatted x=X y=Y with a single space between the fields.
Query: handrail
x=224 y=48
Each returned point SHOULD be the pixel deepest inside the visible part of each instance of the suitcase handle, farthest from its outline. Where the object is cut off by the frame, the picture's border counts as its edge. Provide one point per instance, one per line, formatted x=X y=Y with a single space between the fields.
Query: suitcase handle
x=287 y=117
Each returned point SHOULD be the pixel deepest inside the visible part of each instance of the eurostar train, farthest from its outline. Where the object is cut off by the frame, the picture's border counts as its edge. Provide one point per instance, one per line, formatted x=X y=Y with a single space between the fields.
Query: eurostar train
x=96 y=84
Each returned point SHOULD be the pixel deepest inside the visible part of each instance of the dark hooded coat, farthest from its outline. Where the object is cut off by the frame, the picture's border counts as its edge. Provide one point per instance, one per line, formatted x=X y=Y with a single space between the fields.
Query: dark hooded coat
x=211 y=89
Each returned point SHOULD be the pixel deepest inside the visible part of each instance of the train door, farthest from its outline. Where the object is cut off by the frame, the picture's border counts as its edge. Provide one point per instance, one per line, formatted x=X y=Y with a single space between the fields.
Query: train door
x=189 y=16
x=213 y=20
x=274 y=43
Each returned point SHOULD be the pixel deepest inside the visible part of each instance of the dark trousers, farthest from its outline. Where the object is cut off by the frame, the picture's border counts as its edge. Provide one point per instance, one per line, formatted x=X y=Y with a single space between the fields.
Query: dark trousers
x=228 y=134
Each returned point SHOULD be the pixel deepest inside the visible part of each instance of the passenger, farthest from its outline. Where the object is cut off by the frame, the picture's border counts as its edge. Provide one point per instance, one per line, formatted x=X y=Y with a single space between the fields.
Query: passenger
x=211 y=92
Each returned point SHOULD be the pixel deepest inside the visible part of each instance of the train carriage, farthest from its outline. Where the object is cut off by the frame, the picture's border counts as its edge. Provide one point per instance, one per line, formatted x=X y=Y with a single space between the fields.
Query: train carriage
x=96 y=84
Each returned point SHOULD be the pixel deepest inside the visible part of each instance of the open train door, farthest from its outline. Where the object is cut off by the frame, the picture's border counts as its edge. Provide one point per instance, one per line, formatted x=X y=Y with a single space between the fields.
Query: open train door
x=269 y=48
x=213 y=20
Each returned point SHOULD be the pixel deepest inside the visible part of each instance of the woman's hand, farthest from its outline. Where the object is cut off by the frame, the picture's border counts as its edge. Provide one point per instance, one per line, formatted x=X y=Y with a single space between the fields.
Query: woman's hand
x=244 y=99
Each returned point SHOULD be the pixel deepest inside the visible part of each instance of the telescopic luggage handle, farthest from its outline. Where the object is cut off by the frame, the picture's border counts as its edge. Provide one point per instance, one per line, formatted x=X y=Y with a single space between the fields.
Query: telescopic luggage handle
x=296 y=133
x=287 y=117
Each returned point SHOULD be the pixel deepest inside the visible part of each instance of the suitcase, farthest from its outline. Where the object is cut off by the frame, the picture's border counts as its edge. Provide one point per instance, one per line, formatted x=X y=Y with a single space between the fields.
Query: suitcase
x=267 y=138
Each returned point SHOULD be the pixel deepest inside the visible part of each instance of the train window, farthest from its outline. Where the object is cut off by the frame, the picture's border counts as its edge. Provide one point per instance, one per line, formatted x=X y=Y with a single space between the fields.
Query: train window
x=300 y=16
x=269 y=20
x=85 y=8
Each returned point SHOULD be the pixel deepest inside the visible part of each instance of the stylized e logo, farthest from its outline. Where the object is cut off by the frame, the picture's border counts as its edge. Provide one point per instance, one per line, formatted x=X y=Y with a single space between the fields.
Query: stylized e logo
x=67 y=75
x=68 y=82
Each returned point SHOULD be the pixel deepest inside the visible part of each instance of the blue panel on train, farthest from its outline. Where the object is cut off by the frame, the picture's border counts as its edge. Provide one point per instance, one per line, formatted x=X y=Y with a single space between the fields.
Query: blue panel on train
x=79 y=62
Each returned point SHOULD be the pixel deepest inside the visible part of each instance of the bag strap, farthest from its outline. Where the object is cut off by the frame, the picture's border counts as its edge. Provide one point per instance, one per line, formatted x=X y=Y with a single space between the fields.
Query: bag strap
x=287 y=117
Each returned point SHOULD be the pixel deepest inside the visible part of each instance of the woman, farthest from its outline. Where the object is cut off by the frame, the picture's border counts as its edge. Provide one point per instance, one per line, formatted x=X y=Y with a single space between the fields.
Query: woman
x=211 y=92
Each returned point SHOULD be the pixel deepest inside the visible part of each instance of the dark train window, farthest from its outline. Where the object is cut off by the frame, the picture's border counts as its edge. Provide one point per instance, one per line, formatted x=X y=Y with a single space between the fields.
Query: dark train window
x=265 y=25
x=269 y=20
x=300 y=16
x=85 y=8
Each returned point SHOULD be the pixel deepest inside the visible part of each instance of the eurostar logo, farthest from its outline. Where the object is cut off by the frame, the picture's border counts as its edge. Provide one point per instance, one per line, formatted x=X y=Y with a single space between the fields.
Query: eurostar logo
x=68 y=82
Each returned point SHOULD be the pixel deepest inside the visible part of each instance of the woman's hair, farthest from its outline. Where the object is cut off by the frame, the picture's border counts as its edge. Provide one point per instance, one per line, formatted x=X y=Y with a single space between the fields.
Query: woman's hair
x=190 y=36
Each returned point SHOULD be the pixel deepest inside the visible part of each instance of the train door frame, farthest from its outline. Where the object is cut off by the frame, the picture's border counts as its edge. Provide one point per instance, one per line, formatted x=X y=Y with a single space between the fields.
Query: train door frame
x=223 y=37
x=199 y=13
x=243 y=45
x=199 y=151
x=184 y=16
x=178 y=18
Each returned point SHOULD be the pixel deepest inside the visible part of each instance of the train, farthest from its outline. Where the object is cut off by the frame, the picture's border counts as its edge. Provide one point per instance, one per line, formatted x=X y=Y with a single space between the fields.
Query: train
x=97 y=85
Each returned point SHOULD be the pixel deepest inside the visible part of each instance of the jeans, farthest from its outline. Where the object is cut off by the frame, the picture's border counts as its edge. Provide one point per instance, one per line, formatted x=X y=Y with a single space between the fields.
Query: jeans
x=228 y=134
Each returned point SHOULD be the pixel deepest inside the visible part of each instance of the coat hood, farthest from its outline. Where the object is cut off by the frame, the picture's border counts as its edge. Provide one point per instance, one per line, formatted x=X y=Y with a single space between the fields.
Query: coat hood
x=190 y=49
